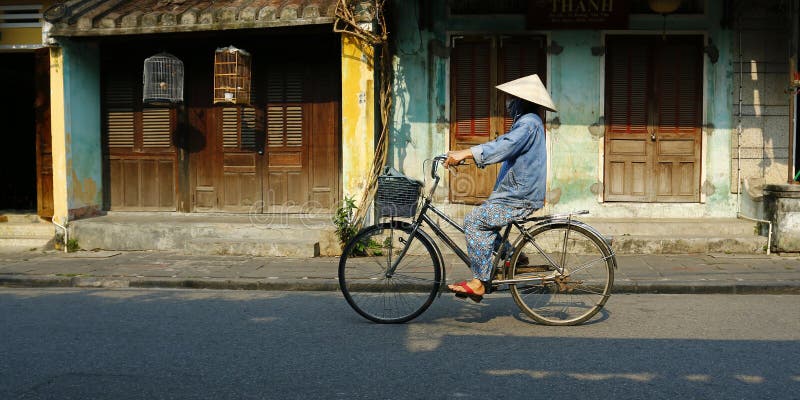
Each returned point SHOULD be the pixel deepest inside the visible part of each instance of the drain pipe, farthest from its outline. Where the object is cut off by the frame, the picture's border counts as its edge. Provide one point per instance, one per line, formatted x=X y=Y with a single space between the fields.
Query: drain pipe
x=66 y=232
x=739 y=130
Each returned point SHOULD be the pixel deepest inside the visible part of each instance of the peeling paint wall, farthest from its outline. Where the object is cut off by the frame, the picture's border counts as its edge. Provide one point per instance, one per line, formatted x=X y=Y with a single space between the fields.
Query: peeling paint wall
x=358 y=114
x=420 y=123
x=75 y=113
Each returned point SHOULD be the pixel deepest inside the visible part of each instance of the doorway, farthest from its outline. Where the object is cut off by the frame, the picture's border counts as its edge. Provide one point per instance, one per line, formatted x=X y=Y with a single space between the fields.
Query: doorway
x=18 y=160
x=654 y=115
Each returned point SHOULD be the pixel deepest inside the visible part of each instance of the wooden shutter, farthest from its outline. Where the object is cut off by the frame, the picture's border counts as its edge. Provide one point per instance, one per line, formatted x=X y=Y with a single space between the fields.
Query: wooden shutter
x=157 y=128
x=678 y=89
x=520 y=57
x=627 y=85
x=472 y=87
x=653 y=114
x=285 y=110
x=239 y=128
x=287 y=137
x=139 y=142
x=120 y=116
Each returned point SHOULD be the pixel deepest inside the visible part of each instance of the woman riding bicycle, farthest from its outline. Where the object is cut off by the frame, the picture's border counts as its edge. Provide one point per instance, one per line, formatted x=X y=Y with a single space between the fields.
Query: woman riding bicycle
x=521 y=183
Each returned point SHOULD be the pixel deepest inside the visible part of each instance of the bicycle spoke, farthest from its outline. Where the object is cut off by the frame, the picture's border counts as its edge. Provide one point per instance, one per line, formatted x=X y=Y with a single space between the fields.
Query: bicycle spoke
x=410 y=289
x=577 y=295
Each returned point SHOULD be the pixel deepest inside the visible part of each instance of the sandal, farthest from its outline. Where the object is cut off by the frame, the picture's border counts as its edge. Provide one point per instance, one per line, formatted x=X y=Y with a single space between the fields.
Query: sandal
x=467 y=293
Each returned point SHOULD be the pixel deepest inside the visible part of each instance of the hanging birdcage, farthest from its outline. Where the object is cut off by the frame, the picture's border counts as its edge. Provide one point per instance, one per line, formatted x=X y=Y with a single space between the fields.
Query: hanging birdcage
x=231 y=76
x=163 y=79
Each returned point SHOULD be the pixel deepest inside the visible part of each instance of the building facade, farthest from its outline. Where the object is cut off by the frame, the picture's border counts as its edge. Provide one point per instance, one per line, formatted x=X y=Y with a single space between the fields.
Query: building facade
x=281 y=152
x=661 y=115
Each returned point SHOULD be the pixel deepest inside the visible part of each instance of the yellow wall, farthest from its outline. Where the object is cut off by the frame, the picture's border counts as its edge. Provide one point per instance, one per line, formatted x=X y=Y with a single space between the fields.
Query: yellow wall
x=18 y=36
x=58 y=127
x=358 y=114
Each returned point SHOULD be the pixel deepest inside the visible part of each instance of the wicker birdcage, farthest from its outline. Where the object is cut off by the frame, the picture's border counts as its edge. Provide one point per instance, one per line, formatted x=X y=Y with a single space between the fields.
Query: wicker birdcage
x=231 y=76
x=163 y=80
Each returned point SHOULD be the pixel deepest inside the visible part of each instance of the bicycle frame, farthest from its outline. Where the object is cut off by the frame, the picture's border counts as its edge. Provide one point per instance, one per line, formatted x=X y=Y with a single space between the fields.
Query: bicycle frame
x=423 y=217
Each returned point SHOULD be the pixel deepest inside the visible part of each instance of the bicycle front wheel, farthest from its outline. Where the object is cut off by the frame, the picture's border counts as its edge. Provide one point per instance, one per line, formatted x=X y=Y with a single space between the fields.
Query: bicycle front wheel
x=385 y=296
x=567 y=298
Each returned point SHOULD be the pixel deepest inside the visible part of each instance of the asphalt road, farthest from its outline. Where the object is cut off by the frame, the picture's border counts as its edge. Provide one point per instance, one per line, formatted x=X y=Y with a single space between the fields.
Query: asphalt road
x=202 y=344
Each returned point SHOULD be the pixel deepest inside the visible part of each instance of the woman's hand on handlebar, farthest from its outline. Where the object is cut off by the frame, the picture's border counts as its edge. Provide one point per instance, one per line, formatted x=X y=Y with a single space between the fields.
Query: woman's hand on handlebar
x=457 y=157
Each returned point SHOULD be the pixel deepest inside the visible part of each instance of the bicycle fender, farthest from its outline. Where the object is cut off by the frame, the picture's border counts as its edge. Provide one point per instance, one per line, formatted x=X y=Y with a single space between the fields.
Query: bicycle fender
x=606 y=240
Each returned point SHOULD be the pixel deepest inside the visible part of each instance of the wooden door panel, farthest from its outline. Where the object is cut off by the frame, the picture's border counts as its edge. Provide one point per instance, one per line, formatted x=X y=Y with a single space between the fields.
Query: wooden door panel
x=653 y=109
x=139 y=142
x=44 y=136
x=241 y=184
x=472 y=185
x=242 y=189
x=324 y=151
x=144 y=184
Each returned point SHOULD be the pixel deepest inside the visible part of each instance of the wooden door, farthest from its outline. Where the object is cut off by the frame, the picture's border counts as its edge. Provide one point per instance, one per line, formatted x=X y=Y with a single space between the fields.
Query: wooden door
x=241 y=159
x=44 y=137
x=478 y=64
x=139 y=142
x=654 y=113
x=288 y=136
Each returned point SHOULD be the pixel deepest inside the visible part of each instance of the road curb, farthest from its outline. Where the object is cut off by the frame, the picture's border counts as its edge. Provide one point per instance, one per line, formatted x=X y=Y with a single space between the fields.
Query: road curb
x=311 y=284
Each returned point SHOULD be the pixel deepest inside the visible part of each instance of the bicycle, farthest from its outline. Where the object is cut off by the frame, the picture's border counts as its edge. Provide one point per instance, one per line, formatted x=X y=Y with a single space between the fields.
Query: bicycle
x=560 y=272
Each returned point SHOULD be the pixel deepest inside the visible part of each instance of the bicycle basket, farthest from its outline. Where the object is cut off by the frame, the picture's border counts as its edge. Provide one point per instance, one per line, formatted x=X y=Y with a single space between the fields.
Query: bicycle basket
x=397 y=194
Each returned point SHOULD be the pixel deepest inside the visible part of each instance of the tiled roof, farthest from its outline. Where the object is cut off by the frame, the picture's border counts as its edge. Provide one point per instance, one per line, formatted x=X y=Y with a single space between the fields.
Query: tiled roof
x=125 y=17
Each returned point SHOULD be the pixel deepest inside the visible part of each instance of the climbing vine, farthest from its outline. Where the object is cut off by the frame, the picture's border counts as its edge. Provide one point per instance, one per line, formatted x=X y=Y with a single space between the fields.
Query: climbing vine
x=366 y=21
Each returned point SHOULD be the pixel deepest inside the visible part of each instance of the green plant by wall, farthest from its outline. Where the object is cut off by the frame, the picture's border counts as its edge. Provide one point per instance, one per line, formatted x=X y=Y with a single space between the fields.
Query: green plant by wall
x=72 y=245
x=346 y=227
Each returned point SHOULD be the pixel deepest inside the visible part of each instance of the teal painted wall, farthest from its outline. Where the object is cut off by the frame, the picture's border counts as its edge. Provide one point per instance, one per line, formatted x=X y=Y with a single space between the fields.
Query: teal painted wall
x=420 y=121
x=82 y=126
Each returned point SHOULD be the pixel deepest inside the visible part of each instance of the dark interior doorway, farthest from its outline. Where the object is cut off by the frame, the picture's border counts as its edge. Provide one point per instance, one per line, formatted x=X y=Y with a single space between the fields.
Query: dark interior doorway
x=17 y=124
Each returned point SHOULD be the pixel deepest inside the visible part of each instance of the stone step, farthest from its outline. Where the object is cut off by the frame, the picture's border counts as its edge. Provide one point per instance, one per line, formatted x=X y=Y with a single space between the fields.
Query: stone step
x=674 y=227
x=11 y=217
x=234 y=234
x=25 y=242
x=258 y=248
x=628 y=244
x=27 y=229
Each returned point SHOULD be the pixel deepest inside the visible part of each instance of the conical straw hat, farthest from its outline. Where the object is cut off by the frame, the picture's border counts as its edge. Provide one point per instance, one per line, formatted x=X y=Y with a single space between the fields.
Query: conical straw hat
x=529 y=88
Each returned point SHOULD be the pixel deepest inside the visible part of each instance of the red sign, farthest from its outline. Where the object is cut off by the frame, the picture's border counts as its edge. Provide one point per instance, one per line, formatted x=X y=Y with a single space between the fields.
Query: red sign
x=578 y=14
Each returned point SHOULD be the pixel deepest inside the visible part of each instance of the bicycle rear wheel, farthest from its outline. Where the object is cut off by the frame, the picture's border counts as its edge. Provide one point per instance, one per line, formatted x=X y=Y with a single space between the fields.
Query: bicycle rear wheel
x=576 y=295
x=384 y=298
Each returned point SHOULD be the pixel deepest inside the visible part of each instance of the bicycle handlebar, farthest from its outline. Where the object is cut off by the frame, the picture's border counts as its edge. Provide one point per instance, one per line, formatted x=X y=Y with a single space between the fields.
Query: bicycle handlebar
x=436 y=160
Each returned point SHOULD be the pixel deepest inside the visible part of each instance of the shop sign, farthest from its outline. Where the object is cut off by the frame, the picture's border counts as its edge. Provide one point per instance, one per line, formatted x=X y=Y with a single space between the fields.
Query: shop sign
x=578 y=14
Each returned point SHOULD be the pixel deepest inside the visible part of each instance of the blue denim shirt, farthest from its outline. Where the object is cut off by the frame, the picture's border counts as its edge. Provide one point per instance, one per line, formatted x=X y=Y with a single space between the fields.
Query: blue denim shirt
x=522 y=180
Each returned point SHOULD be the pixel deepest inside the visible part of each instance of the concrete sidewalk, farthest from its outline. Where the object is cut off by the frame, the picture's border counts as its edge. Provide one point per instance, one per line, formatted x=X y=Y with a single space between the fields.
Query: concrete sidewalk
x=687 y=273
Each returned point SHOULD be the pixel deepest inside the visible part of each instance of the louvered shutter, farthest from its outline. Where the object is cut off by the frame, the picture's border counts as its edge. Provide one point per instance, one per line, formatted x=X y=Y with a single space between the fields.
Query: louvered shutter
x=156 y=128
x=239 y=128
x=653 y=114
x=627 y=87
x=285 y=109
x=520 y=58
x=139 y=141
x=118 y=95
x=470 y=63
x=678 y=88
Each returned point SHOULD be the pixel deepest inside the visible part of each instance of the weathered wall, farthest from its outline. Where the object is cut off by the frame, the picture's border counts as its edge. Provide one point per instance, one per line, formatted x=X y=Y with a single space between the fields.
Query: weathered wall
x=358 y=128
x=75 y=113
x=575 y=79
x=761 y=76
